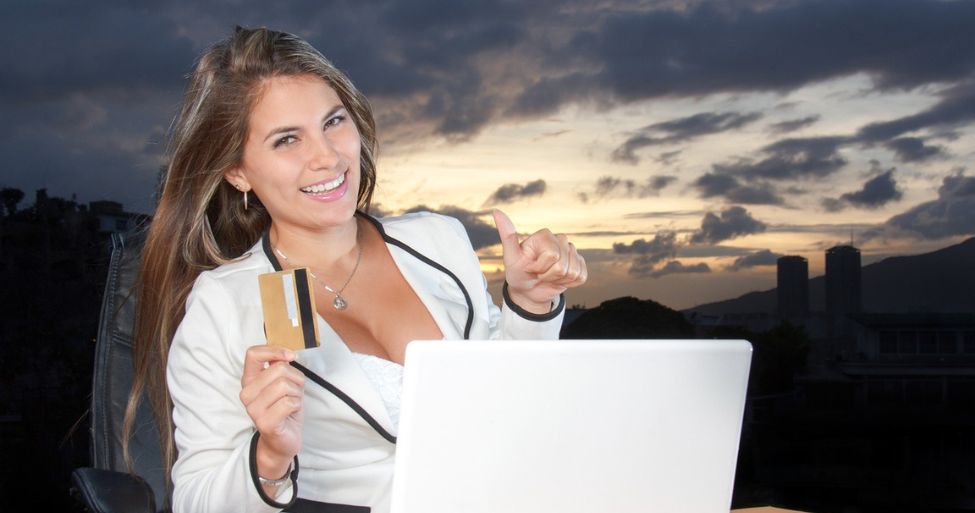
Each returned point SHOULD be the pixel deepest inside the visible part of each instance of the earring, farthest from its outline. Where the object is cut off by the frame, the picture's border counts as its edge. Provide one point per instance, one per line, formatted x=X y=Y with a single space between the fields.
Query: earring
x=237 y=186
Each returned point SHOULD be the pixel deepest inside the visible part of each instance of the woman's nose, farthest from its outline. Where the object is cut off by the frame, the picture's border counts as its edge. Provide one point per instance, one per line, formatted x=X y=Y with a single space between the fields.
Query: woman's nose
x=323 y=153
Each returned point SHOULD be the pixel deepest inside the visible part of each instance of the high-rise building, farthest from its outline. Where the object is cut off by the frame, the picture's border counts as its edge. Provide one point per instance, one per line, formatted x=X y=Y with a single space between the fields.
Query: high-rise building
x=843 y=291
x=792 y=287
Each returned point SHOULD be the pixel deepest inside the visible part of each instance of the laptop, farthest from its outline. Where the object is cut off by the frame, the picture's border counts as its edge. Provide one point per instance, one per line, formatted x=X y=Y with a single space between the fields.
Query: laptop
x=570 y=426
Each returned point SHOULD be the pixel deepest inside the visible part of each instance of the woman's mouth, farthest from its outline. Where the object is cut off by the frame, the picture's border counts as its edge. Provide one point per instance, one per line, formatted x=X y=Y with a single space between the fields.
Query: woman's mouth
x=325 y=186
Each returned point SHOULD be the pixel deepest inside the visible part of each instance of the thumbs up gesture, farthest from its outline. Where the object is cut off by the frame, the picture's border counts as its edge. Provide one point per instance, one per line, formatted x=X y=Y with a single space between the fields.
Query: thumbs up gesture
x=538 y=268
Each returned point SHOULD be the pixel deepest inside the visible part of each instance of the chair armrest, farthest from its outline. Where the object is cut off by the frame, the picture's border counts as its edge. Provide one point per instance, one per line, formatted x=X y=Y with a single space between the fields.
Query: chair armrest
x=108 y=491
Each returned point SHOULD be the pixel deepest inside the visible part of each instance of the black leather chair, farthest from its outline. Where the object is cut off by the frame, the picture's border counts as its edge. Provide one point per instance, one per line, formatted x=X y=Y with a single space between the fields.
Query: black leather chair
x=107 y=486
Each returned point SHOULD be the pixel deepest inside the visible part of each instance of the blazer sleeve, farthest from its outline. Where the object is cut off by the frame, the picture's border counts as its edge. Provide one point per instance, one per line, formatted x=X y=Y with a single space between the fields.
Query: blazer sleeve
x=213 y=431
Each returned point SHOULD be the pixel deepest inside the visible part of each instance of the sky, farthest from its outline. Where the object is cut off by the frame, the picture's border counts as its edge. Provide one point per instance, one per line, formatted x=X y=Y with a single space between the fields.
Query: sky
x=683 y=146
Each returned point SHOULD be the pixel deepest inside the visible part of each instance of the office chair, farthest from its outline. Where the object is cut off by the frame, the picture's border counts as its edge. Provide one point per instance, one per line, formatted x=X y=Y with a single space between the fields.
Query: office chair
x=107 y=486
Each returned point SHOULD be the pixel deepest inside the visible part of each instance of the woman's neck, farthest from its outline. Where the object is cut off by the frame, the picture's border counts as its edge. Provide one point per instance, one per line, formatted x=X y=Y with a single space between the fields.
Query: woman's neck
x=320 y=249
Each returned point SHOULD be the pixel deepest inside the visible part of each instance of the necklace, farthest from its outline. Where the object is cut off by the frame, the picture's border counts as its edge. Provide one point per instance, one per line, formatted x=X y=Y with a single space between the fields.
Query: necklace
x=339 y=302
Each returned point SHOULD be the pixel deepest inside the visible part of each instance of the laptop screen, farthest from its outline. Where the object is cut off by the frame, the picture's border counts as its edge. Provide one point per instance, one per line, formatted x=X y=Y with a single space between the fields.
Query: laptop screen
x=570 y=426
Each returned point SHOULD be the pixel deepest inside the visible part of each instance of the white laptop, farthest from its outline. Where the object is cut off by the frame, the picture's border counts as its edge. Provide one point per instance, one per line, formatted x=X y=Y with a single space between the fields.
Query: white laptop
x=570 y=426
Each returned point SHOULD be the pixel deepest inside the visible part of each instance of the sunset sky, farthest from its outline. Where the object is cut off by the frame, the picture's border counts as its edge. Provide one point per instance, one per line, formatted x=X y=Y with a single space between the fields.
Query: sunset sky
x=683 y=145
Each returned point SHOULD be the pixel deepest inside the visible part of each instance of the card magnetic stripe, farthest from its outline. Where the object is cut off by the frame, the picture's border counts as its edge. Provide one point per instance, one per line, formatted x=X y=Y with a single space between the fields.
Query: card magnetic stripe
x=305 y=312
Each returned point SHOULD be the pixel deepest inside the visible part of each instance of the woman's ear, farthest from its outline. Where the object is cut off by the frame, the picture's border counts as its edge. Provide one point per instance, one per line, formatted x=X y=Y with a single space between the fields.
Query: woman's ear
x=236 y=177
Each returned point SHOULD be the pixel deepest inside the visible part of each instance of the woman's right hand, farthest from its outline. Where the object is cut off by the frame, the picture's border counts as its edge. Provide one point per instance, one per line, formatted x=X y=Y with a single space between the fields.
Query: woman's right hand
x=272 y=392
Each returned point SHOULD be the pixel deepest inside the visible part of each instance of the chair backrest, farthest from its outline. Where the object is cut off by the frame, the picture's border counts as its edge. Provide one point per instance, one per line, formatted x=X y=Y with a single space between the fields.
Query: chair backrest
x=113 y=376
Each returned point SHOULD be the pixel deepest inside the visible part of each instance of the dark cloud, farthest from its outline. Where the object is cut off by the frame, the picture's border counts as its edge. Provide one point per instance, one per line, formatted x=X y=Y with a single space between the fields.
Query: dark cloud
x=711 y=185
x=761 y=258
x=611 y=186
x=802 y=158
x=713 y=48
x=876 y=192
x=512 y=192
x=949 y=215
x=733 y=222
x=482 y=234
x=681 y=130
x=663 y=246
x=912 y=149
x=792 y=125
x=676 y=267
x=956 y=107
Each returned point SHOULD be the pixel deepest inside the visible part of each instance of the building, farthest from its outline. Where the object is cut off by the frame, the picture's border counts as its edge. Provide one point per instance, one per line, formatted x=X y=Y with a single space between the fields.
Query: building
x=843 y=289
x=792 y=287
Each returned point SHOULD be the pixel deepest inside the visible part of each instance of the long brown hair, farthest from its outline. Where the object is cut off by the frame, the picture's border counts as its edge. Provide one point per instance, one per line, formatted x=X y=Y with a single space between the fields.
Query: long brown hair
x=200 y=222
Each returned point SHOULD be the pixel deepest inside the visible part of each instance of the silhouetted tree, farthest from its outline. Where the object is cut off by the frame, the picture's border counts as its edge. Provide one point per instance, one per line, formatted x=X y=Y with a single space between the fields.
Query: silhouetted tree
x=10 y=197
x=629 y=318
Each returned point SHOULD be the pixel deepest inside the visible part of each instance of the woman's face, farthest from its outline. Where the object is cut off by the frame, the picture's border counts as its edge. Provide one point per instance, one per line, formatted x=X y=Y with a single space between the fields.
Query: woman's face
x=301 y=156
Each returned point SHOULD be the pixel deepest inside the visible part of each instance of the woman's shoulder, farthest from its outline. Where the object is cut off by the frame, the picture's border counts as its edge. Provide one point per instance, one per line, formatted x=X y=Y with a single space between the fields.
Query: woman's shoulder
x=241 y=270
x=421 y=224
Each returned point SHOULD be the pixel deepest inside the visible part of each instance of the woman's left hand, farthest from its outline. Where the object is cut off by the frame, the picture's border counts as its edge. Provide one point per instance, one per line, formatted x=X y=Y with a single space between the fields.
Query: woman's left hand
x=540 y=267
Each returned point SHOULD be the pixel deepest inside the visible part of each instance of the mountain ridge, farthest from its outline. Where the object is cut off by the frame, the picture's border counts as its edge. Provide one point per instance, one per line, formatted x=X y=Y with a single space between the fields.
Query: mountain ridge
x=939 y=281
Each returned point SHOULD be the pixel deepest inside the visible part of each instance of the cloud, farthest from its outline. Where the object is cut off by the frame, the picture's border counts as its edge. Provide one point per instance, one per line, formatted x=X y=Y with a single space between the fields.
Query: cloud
x=663 y=246
x=949 y=215
x=511 y=192
x=714 y=47
x=712 y=185
x=798 y=158
x=761 y=258
x=912 y=149
x=681 y=130
x=611 y=186
x=676 y=267
x=733 y=222
x=792 y=125
x=956 y=108
x=876 y=192
x=482 y=234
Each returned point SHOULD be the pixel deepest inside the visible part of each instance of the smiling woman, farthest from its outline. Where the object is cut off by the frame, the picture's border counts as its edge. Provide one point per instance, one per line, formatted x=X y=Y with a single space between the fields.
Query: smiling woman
x=272 y=168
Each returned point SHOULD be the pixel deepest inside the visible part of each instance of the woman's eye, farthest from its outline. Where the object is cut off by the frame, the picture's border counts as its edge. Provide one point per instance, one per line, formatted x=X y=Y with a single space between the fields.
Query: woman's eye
x=288 y=139
x=334 y=121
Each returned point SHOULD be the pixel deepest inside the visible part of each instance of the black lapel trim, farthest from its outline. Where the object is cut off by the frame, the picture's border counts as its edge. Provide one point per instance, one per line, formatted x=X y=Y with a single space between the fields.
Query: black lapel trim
x=266 y=242
x=436 y=265
x=320 y=381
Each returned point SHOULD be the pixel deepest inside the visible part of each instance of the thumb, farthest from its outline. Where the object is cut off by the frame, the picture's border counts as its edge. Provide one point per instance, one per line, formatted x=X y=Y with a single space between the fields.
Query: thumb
x=510 y=247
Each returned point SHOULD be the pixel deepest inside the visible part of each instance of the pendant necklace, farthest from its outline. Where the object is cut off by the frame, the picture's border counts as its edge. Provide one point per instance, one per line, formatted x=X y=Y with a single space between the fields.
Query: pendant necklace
x=339 y=302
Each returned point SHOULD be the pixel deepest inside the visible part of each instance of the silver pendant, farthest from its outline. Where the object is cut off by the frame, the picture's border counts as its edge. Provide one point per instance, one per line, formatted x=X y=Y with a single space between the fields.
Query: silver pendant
x=339 y=303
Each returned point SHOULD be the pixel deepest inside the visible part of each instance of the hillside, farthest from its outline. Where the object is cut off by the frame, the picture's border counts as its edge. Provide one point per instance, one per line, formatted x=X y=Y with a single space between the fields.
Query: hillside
x=940 y=281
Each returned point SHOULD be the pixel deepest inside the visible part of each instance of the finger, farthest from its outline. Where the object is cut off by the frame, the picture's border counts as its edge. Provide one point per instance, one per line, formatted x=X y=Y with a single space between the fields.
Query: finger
x=278 y=379
x=257 y=356
x=583 y=271
x=510 y=247
x=553 y=257
x=271 y=419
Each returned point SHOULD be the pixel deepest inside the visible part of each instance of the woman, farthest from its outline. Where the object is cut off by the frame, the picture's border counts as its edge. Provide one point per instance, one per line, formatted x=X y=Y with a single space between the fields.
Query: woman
x=273 y=167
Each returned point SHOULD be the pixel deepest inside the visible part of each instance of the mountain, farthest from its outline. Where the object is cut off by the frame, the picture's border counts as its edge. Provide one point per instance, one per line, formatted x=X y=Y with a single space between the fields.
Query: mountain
x=940 y=281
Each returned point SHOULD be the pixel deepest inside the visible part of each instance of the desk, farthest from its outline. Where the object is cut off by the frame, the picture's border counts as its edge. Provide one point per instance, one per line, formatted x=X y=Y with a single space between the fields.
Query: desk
x=764 y=509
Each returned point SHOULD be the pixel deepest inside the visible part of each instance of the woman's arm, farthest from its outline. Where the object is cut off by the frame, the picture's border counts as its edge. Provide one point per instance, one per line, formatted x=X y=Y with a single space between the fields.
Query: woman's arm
x=207 y=361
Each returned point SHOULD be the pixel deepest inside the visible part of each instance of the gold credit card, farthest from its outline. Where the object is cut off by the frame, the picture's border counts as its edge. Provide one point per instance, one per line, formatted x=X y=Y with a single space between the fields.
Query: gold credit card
x=288 y=301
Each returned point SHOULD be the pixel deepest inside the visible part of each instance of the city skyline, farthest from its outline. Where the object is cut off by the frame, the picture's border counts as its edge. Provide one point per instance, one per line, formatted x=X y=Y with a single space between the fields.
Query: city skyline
x=684 y=146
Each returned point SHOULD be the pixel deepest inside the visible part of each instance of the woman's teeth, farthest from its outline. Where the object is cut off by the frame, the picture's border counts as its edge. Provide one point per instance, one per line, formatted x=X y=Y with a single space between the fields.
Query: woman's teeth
x=327 y=186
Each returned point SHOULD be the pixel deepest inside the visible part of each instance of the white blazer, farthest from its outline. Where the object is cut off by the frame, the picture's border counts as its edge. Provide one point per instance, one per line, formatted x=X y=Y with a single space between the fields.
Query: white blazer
x=343 y=460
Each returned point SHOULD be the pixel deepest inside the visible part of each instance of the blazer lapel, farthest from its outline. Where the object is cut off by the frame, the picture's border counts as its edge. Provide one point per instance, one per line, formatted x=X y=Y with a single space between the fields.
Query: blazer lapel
x=333 y=362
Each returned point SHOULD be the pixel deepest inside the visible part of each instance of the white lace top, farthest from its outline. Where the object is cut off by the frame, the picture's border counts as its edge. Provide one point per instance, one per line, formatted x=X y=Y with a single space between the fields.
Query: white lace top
x=387 y=378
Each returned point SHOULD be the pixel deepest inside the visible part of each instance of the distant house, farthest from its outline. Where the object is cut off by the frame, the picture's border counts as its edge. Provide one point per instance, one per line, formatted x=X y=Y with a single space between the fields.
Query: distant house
x=113 y=219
